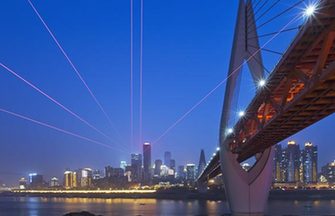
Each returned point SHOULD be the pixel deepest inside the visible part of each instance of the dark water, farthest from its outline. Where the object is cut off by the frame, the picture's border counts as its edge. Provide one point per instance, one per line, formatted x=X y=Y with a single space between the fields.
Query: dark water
x=31 y=206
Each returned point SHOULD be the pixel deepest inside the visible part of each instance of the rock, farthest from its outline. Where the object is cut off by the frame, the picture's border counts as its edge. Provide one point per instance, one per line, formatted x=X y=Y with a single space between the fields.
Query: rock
x=83 y=213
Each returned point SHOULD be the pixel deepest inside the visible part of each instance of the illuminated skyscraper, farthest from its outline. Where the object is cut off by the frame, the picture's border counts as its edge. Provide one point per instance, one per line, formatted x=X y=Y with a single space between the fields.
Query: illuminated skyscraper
x=157 y=170
x=278 y=171
x=54 y=182
x=69 y=180
x=167 y=158
x=181 y=173
x=136 y=165
x=328 y=172
x=84 y=177
x=202 y=162
x=146 y=162
x=123 y=165
x=190 y=172
x=291 y=162
x=309 y=159
x=35 y=181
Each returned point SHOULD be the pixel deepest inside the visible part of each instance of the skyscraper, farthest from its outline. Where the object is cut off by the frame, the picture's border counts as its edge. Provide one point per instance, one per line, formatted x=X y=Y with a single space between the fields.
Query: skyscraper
x=292 y=162
x=167 y=158
x=146 y=162
x=84 y=177
x=190 y=172
x=158 y=164
x=123 y=165
x=328 y=172
x=278 y=172
x=202 y=162
x=309 y=159
x=35 y=180
x=136 y=164
x=181 y=172
x=70 y=179
x=173 y=164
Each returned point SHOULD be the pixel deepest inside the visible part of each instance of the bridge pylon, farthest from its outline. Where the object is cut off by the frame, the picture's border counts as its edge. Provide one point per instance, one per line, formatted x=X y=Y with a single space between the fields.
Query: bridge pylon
x=246 y=191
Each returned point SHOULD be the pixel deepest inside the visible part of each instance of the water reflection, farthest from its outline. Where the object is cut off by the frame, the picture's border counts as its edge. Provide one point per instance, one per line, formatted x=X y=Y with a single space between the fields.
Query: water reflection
x=34 y=206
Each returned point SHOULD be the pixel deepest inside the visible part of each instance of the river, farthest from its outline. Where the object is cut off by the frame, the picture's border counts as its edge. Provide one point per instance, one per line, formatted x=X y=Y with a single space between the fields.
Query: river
x=39 y=206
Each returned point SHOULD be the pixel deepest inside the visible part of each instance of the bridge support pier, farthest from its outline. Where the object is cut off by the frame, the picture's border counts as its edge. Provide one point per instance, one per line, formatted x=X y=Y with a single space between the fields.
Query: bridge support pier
x=247 y=191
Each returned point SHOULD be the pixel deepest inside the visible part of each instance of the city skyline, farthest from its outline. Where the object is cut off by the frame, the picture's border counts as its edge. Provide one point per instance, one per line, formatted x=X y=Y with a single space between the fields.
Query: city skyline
x=102 y=55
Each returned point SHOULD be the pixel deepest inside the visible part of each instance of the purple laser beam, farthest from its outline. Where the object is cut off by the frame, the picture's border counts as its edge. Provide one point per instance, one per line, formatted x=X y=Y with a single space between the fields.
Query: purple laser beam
x=56 y=128
x=73 y=66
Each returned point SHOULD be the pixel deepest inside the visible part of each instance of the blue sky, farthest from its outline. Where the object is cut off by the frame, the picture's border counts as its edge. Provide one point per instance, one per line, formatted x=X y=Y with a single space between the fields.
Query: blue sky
x=186 y=51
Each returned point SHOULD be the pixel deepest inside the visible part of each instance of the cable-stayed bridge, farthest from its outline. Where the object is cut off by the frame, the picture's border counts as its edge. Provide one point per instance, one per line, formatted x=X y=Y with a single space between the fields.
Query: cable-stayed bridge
x=299 y=92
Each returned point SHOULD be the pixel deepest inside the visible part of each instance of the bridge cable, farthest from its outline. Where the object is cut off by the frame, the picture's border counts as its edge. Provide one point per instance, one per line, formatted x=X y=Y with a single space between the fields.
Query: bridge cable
x=273 y=33
x=280 y=14
x=267 y=10
x=260 y=64
x=268 y=50
x=73 y=66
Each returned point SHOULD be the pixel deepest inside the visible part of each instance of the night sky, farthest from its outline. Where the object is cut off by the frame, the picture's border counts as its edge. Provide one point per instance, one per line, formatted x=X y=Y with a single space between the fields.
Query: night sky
x=186 y=51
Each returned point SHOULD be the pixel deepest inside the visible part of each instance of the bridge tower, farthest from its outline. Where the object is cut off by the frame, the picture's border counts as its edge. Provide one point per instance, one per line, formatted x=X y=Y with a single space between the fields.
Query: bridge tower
x=246 y=191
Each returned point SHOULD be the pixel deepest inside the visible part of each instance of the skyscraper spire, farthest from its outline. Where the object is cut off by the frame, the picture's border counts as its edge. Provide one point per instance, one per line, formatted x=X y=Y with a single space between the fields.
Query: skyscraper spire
x=202 y=162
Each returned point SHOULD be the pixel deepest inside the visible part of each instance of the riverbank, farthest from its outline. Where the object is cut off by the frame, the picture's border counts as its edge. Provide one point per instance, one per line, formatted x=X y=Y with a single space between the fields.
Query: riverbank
x=180 y=195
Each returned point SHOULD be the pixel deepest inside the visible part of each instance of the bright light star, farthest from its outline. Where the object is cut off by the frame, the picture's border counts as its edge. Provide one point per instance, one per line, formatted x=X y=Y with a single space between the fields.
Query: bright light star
x=261 y=83
x=241 y=113
x=310 y=10
x=230 y=131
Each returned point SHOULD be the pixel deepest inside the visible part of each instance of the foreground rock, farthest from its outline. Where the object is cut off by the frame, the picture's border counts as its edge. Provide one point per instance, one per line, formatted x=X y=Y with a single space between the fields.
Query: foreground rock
x=83 y=213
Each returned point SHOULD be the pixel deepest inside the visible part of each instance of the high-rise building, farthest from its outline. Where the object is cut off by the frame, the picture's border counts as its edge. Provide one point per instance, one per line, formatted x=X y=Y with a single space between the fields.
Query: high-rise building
x=181 y=173
x=123 y=165
x=278 y=171
x=157 y=170
x=202 y=162
x=23 y=183
x=84 y=177
x=111 y=172
x=54 y=182
x=35 y=180
x=97 y=174
x=190 y=172
x=328 y=172
x=146 y=162
x=136 y=164
x=70 y=180
x=292 y=162
x=173 y=164
x=167 y=158
x=309 y=163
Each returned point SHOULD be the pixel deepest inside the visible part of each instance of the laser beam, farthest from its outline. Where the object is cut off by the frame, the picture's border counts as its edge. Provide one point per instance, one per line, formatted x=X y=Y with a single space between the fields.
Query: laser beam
x=131 y=74
x=73 y=67
x=141 y=74
x=54 y=100
x=56 y=128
